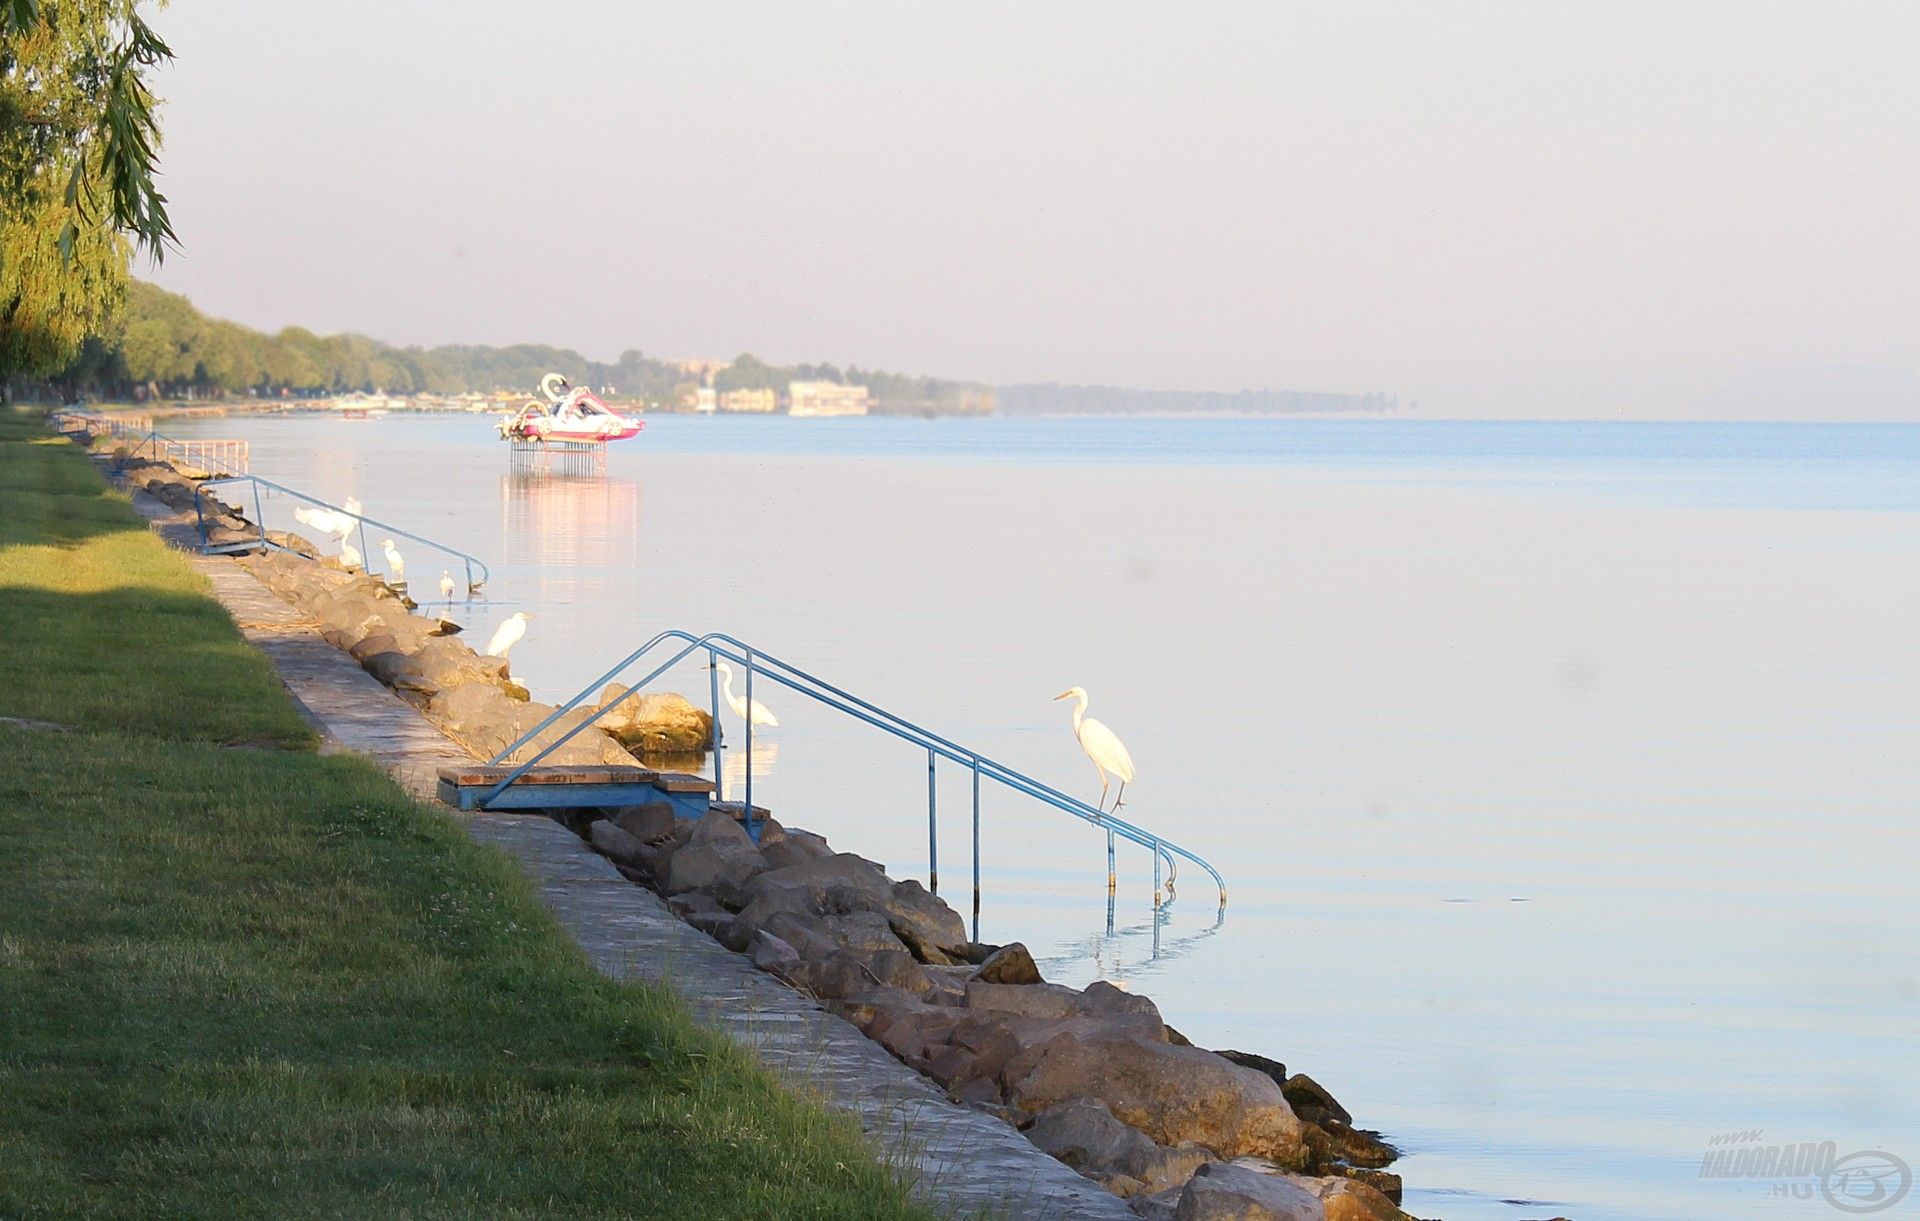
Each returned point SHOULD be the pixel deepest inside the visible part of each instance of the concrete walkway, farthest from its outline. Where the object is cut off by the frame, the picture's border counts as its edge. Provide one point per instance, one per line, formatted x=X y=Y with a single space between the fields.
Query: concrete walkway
x=962 y=1162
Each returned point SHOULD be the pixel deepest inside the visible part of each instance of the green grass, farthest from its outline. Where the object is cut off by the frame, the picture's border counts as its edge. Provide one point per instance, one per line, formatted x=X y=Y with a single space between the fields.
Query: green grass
x=253 y=982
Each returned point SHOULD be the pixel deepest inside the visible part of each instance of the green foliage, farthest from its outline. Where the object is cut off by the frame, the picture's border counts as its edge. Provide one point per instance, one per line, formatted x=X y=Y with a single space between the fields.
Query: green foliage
x=79 y=140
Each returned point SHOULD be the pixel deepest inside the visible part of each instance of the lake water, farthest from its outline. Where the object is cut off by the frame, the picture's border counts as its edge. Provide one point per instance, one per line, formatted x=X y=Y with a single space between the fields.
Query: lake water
x=1563 y=775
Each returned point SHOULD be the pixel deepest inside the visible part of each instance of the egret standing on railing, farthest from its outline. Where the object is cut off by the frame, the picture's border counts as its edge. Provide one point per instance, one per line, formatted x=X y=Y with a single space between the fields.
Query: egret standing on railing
x=1102 y=746
x=508 y=634
x=761 y=716
x=396 y=567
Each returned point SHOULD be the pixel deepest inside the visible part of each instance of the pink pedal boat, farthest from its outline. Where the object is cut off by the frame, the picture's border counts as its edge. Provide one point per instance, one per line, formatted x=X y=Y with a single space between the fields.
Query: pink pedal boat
x=571 y=413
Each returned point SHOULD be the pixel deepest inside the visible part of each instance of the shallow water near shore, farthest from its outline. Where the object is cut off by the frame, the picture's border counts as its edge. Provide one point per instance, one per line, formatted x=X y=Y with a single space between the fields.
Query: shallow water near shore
x=1562 y=775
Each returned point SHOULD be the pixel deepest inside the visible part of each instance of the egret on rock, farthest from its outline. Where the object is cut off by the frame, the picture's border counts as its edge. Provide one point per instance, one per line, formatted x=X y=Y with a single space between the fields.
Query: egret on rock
x=396 y=567
x=761 y=716
x=1101 y=745
x=508 y=634
x=350 y=556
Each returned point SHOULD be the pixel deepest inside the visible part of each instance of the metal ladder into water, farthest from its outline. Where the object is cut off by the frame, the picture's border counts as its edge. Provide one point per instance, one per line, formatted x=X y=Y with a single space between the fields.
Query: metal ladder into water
x=492 y=791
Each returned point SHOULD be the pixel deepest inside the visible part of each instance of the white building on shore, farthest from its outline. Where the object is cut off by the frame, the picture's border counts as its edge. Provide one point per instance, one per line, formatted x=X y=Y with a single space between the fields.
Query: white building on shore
x=827 y=398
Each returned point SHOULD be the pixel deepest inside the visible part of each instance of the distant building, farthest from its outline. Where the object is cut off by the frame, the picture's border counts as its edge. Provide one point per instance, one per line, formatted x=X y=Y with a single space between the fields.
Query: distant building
x=701 y=371
x=705 y=401
x=827 y=398
x=749 y=400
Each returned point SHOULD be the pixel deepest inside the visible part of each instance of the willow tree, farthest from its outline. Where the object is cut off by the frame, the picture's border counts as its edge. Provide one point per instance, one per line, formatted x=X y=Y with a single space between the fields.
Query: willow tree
x=78 y=145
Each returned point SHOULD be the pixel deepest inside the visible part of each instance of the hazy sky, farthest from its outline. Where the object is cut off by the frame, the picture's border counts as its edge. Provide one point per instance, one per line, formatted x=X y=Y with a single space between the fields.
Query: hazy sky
x=1493 y=209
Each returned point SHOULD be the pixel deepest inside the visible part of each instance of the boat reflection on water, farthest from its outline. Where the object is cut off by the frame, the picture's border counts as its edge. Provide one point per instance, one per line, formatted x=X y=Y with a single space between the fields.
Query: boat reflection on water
x=559 y=521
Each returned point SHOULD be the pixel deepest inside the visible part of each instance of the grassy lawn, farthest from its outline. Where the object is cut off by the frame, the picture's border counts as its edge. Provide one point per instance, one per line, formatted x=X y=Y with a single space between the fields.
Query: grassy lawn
x=238 y=978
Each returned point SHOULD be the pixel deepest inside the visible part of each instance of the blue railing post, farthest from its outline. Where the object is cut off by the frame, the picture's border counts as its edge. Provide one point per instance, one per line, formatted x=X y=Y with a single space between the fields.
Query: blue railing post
x=1112 y=878
x=752 y=833
x=933 y=832
x=976 y=849
x=713 y=685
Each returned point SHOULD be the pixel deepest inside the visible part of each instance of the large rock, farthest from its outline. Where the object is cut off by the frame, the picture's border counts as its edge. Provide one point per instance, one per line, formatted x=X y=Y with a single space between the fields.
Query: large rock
x=842 y=884
x=718 y=858
x=839 y=976
x=1102 y=998
x=793 y=848
x=1173 y=1094
x=1085 y=1135
x=931 y=929
x=656 y=723
x=864 y=932
x=1023 y=1000
x=1346 y=1200
x=772 y=955
x=396 y=669
x=1334 y=1142
x=616 y=843
x=449 y=662
x=1311 y=1102
x=649 y=823
x=1010 y=964
x=1223 y=1192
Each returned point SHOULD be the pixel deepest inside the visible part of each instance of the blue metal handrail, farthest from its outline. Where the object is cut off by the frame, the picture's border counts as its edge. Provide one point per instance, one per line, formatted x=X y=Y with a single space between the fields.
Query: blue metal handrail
x=718 y=645
x=155 y=437
x=473 y=563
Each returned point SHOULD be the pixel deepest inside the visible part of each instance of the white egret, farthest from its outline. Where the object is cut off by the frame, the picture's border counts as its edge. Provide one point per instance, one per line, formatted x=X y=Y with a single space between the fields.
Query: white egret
x=349 y=557
x=761 y=715
x=396 y=567
x=326 y=521
x=446 y=585
x=508 y=634
x=1102 y=746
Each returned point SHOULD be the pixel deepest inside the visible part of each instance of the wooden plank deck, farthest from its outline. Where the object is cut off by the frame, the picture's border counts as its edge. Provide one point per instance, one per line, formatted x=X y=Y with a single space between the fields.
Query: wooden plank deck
x=465 y=777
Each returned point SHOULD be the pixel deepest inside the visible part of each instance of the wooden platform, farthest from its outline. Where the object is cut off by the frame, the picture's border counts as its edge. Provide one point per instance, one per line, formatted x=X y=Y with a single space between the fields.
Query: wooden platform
x=577 y=774
x=574 y=787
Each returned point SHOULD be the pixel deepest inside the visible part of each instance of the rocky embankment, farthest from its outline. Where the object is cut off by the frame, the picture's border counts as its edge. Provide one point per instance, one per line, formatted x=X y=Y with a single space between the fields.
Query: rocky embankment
x=1093 y=1076
x=472 y=698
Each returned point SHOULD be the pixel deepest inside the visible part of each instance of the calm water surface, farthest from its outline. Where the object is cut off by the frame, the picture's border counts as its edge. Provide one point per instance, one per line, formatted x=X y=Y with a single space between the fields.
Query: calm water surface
x=1563 y=775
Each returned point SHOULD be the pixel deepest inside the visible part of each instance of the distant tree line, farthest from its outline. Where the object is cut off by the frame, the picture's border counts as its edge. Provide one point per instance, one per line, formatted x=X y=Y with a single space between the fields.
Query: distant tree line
x=1051 y=399
x=159 y=344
